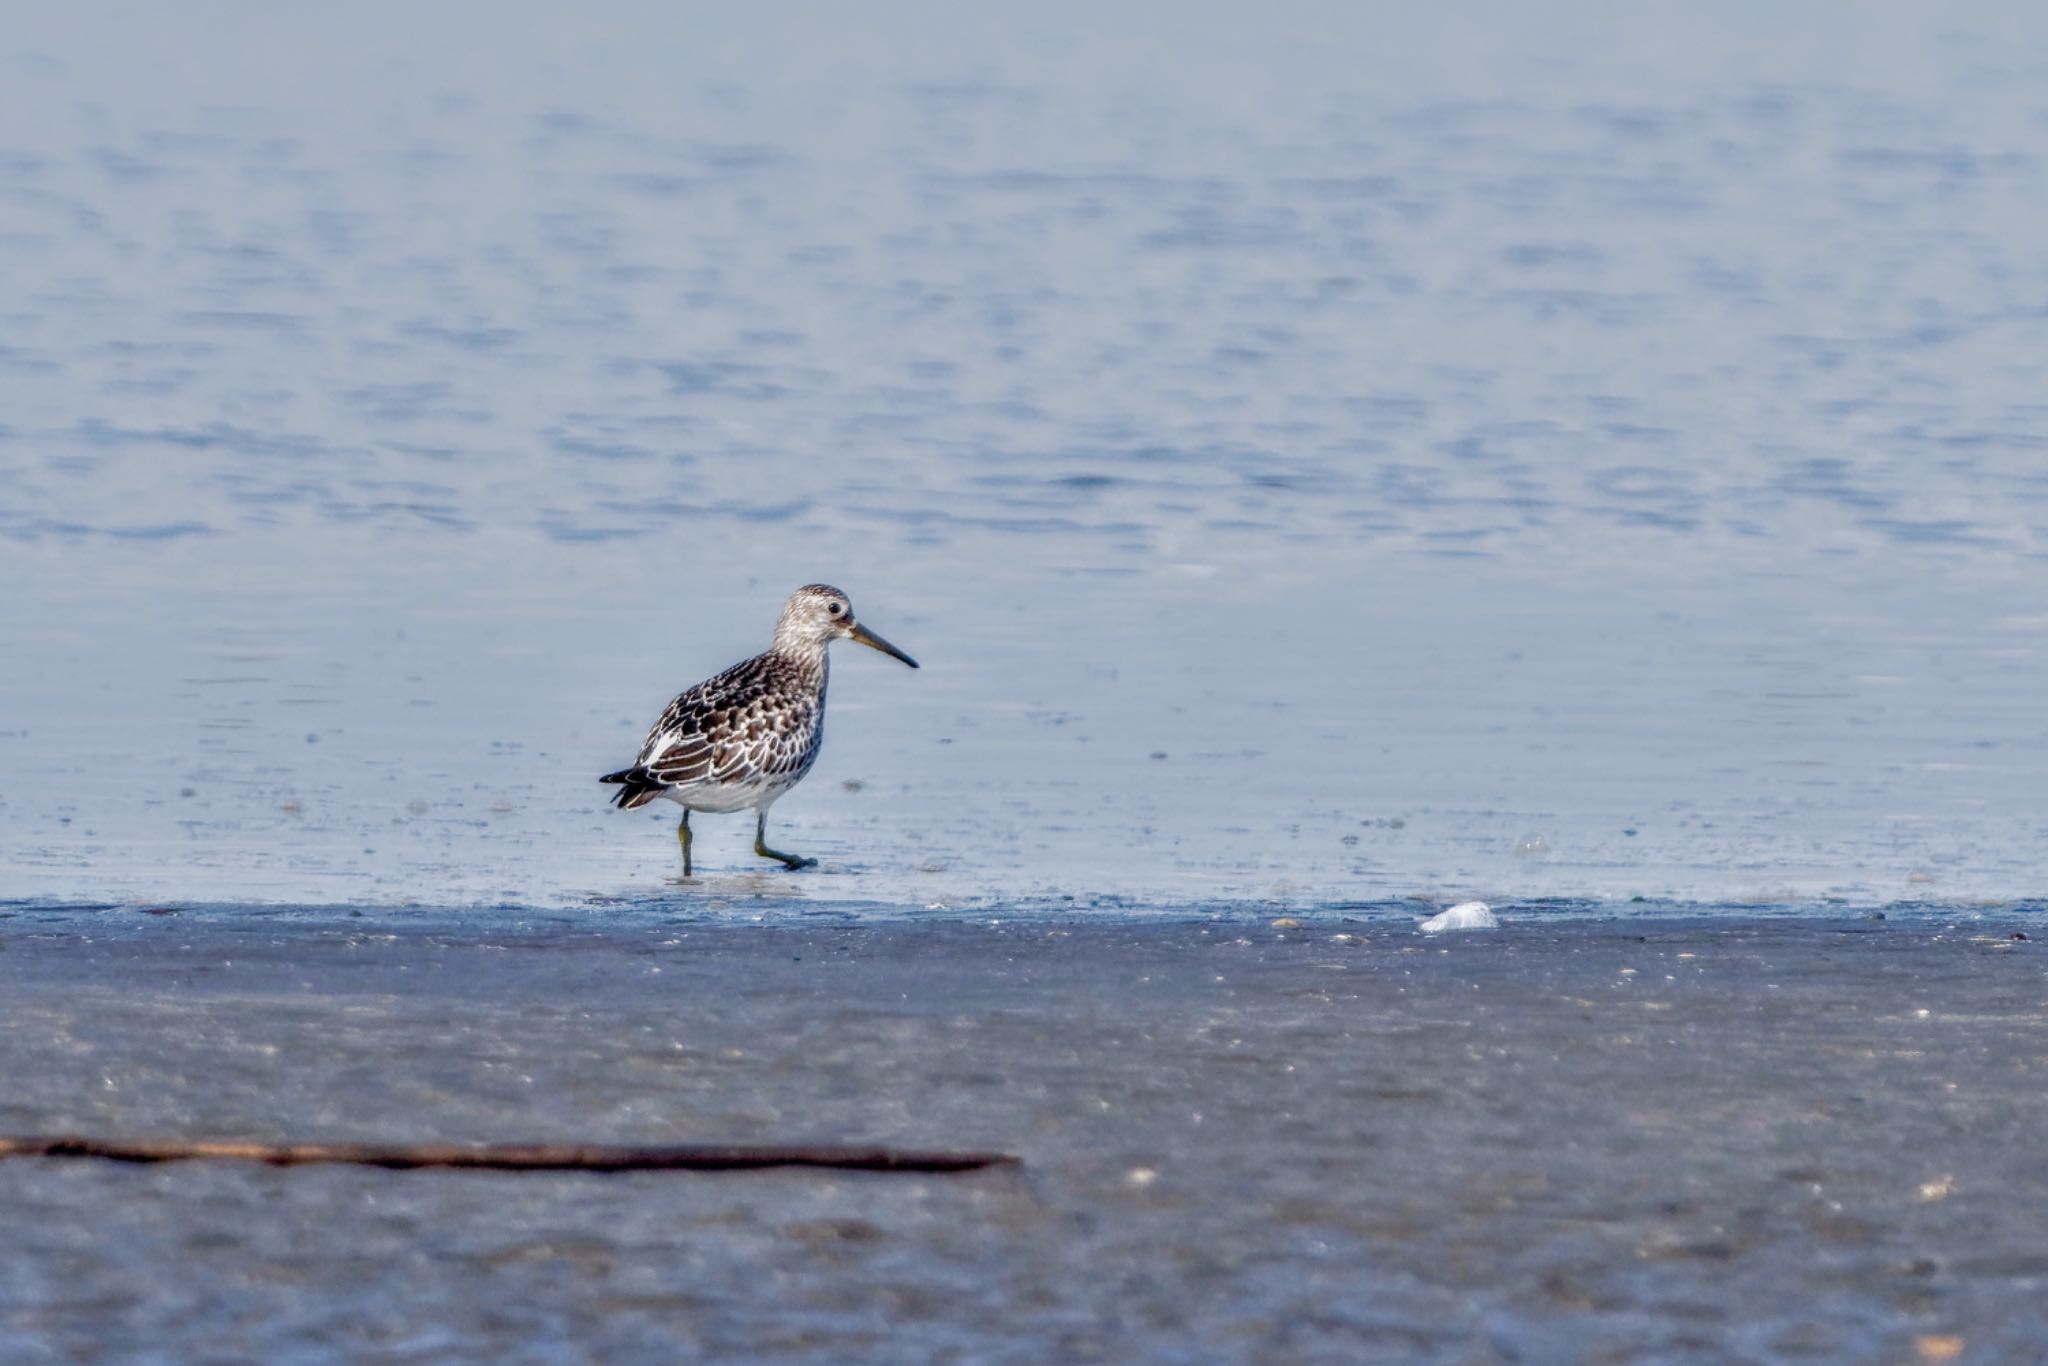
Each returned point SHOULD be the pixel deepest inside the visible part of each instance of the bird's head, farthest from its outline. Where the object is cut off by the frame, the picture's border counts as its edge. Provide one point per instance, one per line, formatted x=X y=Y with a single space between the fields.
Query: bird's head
x=818 y=614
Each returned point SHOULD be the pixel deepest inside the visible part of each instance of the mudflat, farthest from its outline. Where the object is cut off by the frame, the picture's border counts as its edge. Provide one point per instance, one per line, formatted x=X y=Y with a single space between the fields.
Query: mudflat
x=1604 y=1138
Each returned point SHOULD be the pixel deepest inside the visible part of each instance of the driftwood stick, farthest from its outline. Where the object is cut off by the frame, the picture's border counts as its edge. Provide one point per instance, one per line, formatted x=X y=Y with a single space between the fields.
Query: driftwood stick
x=508 y=1157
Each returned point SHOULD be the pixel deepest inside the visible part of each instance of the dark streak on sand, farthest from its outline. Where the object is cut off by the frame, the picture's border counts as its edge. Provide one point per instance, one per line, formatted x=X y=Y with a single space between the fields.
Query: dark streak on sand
x=508 y=1157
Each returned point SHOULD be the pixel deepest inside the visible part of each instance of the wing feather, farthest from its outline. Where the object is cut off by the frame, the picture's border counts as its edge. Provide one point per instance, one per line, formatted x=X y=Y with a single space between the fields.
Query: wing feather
x=681 y=758
x=744 y=719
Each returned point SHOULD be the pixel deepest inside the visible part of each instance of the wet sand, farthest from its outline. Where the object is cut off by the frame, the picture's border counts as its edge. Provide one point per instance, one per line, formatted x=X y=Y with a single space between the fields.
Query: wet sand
x=1597 y=1139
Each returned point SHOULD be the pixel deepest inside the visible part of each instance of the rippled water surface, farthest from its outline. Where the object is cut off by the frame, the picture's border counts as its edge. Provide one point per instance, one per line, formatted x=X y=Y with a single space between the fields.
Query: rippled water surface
x=1329 y=455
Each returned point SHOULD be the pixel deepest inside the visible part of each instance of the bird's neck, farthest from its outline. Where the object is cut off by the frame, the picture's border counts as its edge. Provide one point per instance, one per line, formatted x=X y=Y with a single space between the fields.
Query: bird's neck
x=806 y=658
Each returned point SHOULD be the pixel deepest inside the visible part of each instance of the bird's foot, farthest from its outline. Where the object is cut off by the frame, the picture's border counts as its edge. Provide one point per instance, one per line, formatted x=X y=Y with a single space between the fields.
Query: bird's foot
x=789 y=861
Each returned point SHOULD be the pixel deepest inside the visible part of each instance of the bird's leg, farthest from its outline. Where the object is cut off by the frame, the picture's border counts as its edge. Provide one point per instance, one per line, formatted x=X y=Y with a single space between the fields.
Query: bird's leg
x=683 y=838
x=792 y=861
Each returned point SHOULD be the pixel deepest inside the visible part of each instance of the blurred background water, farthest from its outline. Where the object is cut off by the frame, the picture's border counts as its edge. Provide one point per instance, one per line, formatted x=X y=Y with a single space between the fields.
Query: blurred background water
x=1317 y=453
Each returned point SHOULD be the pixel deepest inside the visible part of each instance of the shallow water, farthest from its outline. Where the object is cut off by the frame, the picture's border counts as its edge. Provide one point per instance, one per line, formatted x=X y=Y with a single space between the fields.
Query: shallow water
x=1340 y=457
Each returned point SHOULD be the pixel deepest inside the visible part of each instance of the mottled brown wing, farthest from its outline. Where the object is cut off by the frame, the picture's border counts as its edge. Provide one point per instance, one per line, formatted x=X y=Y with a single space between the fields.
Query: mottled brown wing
x=754 y=720
x=793 y=740
x=750 y=732
x=677 y=749
x=681 y=758
x=688 y=743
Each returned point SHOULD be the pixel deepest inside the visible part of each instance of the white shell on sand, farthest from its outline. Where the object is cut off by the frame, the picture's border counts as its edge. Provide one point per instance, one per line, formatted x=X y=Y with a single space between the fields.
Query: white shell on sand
x=1466 y=915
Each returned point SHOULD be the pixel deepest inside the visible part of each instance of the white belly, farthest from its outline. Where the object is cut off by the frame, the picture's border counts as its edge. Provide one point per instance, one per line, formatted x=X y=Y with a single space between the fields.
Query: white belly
x=742 y=794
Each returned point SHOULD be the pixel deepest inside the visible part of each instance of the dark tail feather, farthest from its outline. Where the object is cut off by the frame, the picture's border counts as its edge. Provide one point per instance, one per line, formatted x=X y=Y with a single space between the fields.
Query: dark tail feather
x=640 y=787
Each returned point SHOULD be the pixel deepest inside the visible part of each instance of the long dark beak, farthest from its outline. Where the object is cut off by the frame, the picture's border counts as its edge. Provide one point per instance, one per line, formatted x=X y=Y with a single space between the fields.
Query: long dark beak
x=875 y=642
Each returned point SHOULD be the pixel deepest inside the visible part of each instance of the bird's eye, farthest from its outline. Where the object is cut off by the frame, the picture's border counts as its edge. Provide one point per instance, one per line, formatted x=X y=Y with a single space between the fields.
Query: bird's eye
x=837 y=609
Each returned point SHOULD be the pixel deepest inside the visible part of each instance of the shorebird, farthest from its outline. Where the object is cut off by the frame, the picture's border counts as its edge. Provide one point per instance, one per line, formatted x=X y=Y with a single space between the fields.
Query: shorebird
x=744 y=737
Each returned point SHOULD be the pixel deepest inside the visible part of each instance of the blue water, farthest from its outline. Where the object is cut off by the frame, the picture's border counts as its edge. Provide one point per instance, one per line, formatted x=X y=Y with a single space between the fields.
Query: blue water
x=1329 y=456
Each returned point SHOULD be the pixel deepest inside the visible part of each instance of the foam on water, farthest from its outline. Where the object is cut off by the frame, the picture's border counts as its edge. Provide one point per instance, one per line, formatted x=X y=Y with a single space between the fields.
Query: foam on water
x=1466 y=915
x=1346 y=456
